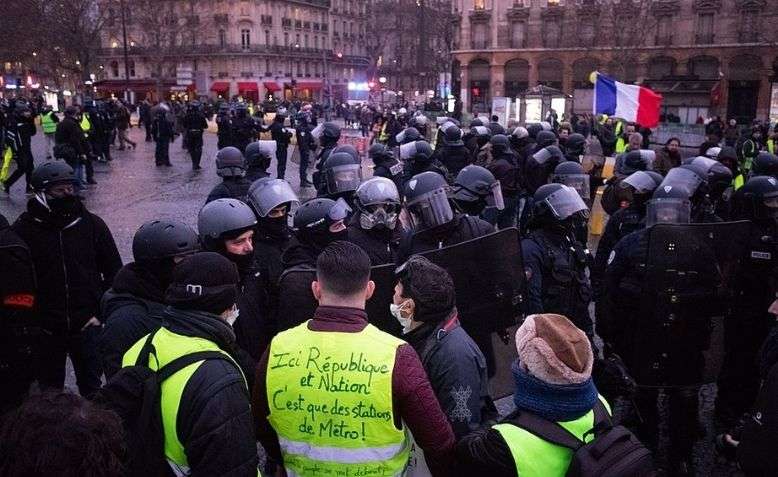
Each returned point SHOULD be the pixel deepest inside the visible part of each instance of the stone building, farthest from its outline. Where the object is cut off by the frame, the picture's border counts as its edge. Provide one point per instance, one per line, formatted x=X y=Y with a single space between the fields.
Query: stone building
x=706 y=57
x=248 y=48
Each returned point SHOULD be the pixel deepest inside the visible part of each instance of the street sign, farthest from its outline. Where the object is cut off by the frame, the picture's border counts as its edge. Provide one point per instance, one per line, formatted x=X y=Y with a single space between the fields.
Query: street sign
x=184 y=75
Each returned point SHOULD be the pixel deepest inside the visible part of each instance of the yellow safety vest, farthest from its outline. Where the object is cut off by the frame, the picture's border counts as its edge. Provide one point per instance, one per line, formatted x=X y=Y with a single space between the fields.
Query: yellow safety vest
x=621 y=145
x=738 y=181
x=49 y=126
x=330 y=397
x=168 y=347
x=86 y=126
x=535 y=457
x=771 y=146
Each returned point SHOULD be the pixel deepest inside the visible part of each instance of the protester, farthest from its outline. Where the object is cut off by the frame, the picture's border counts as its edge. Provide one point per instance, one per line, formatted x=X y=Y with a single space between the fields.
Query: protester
x=668 y=157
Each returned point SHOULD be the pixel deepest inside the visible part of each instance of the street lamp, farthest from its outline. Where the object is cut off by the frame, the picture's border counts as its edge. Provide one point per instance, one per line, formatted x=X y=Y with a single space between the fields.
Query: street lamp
x=126 y=53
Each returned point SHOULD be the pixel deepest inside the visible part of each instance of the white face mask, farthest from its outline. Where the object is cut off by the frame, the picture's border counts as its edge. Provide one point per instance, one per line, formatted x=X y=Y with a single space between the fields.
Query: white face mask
x=396 y=311
x=232 y=315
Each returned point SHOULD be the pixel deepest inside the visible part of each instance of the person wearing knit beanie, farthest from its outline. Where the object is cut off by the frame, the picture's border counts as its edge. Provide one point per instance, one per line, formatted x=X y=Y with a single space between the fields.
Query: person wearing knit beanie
x=205 y=281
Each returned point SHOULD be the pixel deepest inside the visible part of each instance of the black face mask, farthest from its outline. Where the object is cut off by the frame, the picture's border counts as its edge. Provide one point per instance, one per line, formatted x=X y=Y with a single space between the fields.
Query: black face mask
x=275 y=227
x=472 y=208
x=64 y=206
x=243 y=262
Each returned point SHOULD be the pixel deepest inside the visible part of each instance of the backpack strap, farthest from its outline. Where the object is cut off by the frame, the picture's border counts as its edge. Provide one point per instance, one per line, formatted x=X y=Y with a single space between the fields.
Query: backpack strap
x=546 y=430
x=601 y=416
x=147 y=350
x=180 y=363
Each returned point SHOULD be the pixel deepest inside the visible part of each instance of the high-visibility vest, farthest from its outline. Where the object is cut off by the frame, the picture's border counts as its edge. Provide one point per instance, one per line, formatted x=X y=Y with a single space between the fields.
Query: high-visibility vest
x=86 y=126
x=771 y=146
x=621 y=145
x=49 y=126
x=738 y=181
x=168 y=347
x=535 y=457
x=330 y=397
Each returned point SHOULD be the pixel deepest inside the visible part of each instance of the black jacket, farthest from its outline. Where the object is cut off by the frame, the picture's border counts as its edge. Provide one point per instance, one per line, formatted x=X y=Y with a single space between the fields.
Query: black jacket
x=130 y=311
x=69 y=133
x=455 y=158
x=253 y=321
x=380 y=245
x=75 y=262
x=457 y=372
x=755 y=453
x=214 y=421
x=279 y=135
x=230 y=188
x=296 y=302
x=461 y=229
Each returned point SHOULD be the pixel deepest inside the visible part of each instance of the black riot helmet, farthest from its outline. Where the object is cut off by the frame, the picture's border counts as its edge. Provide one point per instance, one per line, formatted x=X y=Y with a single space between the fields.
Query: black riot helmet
x=757 y=200
x=452 y=135
x=230 y=162
x=545 y=138
x=327 y=134
x=320 y=221
x=342 y=174
x=408 y=135
x=379 y=153
x=670 y=204
x=476 y=122
x=639 y=160
x=160 y=239
x=558 y=203
x=416 y=152
x=571 y=174
x=426 y=199
x=765 y=164
x=259 y=154
x=267 y=194
x=241 y=110
x=378 y=203
x=533 y=129
x=713 y=152
x=475 y=188
x=496 y=128
x=482 y=134
x=223 y=219
x=718 y=176
x=640 y=186
x=575 y=145
x=500 y=144
x=549 y=154
x=52 y=173
x=348 y=149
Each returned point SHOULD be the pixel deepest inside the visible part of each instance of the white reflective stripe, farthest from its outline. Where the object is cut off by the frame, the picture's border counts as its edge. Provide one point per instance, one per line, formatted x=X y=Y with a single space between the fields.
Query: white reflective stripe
x=339 y=454
x=292 y=473
x=179 y=470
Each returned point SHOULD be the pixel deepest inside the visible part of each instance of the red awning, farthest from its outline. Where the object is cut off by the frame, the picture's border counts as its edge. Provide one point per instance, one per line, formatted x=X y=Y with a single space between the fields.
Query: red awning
x=312 y=85
x=271 y=86
x=220 y=86
x=247 y=86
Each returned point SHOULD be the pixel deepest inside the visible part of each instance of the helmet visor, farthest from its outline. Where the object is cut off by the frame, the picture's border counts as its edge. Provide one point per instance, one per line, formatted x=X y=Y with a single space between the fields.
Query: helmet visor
x=641 y=182
x=679 y=177
x=495 y=199
x=407 y=151
x=579 y=182
x=266 y=197
x=668 y=211
x=431 y=209
x=318 y=131
x=344 y=178
x=565 y=202
x=339 y=211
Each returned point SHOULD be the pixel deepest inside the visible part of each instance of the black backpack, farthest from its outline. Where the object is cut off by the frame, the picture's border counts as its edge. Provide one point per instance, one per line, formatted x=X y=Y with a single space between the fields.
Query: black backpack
x=614 y=451
x=134 y=393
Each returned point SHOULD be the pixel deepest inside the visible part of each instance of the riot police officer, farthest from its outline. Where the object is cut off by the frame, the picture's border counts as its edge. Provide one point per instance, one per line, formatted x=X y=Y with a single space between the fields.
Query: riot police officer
x=348 y=149
x=374 y=224
x=281 y=136
x=694 y=178
x=520 y=142
x=450 y=150
x=475 y=188
x=718 y=180
x=194 y=126
x=417 y=158
x=244 y=129
x=316 y=224
x=765 y=164
x=385 y=164
x=478 y=138
x=505 y=167
x=231 y=167
x=327 y=135
x=555 y=262
x=407 y=135
x=747 y=327
x=341 y=175
x=130 y=308
x=541 y=163
x=258 y=158
x=574 y=147
x=224 y=127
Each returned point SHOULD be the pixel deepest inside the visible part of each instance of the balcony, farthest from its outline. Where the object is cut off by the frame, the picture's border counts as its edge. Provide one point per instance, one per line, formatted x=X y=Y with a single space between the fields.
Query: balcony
x=478 y=44
x=663 y=40
x=748 y=36
x=705 y=38
x=480 y=15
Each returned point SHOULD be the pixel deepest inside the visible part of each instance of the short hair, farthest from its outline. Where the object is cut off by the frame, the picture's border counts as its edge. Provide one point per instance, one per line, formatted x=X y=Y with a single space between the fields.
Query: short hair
x=429 y=285
x=58 y=433
x=637 y=135
x=673 y=139
x=495 y=118
x=343 y=268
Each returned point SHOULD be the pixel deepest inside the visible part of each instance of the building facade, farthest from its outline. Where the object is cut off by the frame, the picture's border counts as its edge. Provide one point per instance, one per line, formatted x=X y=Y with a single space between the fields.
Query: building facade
x=707 y=57
x=288 y=49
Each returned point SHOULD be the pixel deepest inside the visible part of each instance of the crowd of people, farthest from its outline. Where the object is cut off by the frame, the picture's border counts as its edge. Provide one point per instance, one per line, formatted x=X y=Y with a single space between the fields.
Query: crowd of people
x=261 y=325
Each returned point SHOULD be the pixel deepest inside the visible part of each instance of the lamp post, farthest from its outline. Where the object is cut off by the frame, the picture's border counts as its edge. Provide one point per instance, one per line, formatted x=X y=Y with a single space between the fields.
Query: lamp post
x=126 y=54
x=382 y=81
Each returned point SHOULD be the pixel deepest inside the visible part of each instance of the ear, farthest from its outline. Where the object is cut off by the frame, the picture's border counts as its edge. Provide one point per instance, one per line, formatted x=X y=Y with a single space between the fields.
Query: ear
x=411 y=307
x=369 y=290
x=316 y=289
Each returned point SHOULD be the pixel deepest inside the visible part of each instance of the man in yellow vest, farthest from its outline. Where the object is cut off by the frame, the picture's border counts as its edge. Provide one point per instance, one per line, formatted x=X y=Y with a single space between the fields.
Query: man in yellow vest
x=337 y=396
x=772 y=143
x=622 y=138
x=553 y=381
x=206 y=415
x=49 y=122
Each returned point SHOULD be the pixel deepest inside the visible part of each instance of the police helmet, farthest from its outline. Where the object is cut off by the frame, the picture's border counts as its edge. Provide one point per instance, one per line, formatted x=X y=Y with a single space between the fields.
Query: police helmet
x=558 y=202
x=268 y=194
x=533 y=129
x=52 y=173
x=639 y=160
x=670 y=204
x=575 y=144
x=160 y=239
x=758 y=199
x=426 y=199
x=476 y=122
x=571 y=174
x=416 y=151
x=452 y=135
x=224 y=219
x=314 y=220
x=477 y=184
x=765 y=164
x=500 y=143
x=408 y=135
x=545 y=138
x=378 y=203
x=548 y=154
x=379 y=152
x=348 y=149
x=259 y=154
x=230 y=162
x=342 y=173
x=326 y=133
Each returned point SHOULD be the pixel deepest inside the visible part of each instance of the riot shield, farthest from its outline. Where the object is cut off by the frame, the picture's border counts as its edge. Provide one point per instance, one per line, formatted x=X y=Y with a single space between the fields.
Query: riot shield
x=377 y=307
x=687 y=292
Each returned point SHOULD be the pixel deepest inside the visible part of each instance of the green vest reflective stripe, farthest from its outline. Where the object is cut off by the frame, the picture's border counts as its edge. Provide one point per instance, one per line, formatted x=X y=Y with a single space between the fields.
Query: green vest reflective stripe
x=86 y=126
x=170 y=346
x=621 y=145
x=738 y=181
x=618 y=128
x=771 y=146
x=330 y=397
x=49 y=126
x=535 y=457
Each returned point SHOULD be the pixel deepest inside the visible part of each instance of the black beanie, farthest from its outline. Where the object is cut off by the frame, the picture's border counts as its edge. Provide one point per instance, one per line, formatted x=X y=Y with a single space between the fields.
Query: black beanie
x=205 y=281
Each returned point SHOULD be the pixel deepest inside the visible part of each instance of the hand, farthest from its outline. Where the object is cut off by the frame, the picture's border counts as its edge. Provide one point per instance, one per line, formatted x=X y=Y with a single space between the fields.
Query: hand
x=92 y=322
x=731 y=441
x=773 y=310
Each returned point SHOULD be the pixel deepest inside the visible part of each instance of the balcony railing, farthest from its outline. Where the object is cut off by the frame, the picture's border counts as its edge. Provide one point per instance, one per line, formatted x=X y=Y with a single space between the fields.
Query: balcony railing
x=218 y=49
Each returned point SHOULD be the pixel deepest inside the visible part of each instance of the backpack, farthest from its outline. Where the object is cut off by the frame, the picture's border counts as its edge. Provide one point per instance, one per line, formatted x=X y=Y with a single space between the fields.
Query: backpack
x=134 y=393
x=614 y=451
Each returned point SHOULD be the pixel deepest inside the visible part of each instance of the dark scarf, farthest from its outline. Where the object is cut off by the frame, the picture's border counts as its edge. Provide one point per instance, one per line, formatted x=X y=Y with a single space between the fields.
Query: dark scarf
x=554 y=402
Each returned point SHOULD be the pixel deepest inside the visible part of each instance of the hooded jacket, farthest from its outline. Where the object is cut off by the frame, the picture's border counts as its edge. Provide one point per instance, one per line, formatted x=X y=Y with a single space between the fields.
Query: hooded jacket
x=296 y=302
x=75 y=262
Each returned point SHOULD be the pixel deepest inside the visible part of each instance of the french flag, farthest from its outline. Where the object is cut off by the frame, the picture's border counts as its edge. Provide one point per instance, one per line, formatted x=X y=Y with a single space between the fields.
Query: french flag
x=629 y=102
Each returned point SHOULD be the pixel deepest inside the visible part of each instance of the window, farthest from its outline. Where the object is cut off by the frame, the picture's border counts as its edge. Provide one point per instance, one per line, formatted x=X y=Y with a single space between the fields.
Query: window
x=297 y=41
x=299 y=69
x=518 y=30
x=286 y=39
x=131 y=66
x=245 y=39
x=551 y=34
x=305 y=42
x=316 y=42
x=664 y=35
x=222 y=38
x=267 y=37
x=705 y=28
x=111 y=17
x=115 y=69
x=479 y=36
x=749 y=27
x=586 y=32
